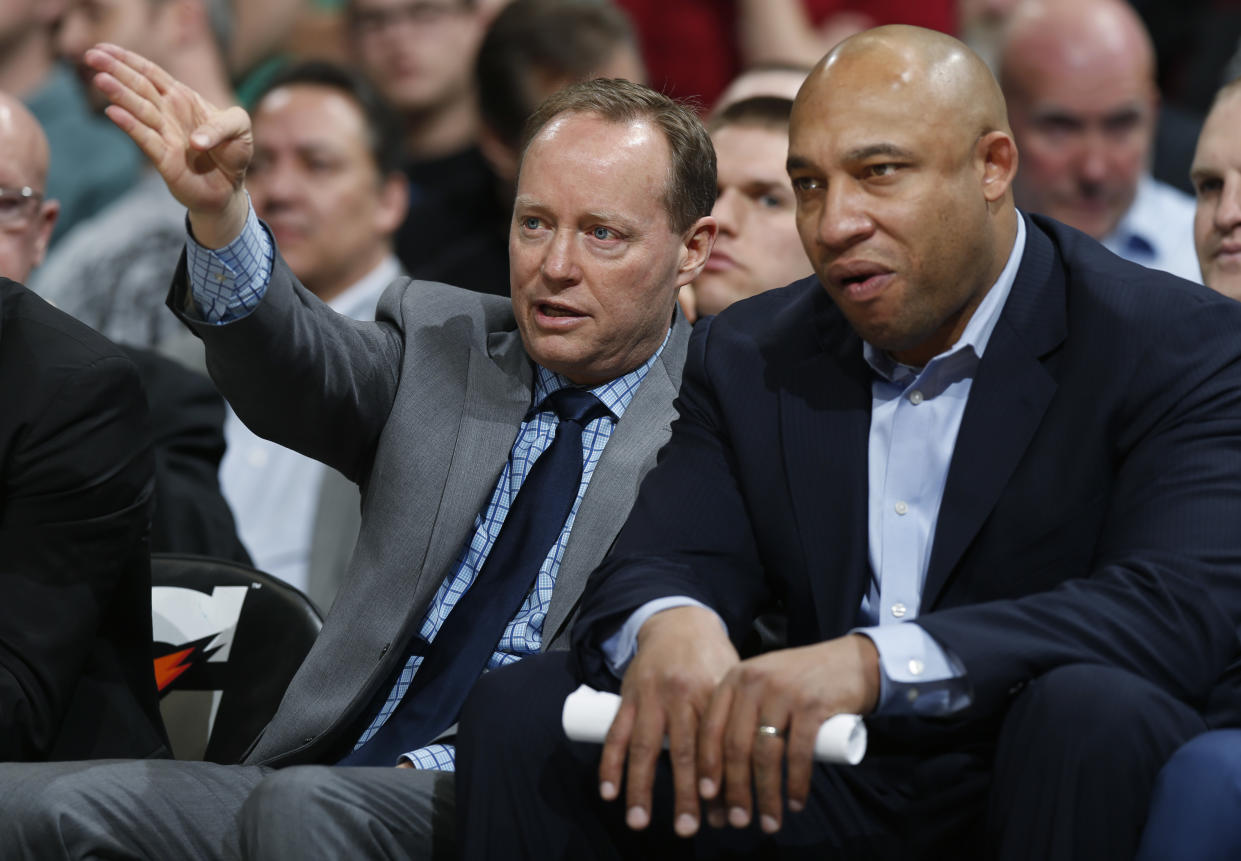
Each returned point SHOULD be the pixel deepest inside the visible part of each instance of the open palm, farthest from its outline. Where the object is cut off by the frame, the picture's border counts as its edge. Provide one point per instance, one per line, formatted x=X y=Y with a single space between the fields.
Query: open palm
x=200 y=150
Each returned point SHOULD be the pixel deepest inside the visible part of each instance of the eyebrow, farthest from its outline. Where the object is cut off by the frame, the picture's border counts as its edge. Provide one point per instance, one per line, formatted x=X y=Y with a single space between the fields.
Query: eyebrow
x=872 y=150
x=862 y=153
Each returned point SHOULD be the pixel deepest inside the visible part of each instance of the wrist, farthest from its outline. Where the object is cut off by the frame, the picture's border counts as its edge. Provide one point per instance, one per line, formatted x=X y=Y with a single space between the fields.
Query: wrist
x=216 y=229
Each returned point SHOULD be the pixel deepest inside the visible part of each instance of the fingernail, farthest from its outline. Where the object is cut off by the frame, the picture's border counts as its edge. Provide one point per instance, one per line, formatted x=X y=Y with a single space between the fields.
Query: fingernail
x=716 y=817
x=737 y=817
x=796 y=806
x=607 y=790
x=636 y=818
x=769 y=823
x=686 y=825
x=706 y=788
x=199 y=139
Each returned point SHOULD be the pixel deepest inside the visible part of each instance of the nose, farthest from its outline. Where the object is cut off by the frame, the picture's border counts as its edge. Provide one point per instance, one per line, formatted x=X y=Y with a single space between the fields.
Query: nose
x=274 y=186
x=1092 y=162
x=1228 y=213
x=843 y=219
x=727 y=211
x=560 y=260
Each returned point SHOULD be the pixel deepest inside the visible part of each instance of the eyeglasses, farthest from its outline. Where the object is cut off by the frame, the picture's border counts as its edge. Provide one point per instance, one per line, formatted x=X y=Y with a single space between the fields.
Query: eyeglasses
x=419 y=14
x=17 y=205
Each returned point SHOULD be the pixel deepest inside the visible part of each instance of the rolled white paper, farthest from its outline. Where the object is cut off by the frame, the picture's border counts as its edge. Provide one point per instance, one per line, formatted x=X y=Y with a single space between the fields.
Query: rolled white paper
x=589 y=713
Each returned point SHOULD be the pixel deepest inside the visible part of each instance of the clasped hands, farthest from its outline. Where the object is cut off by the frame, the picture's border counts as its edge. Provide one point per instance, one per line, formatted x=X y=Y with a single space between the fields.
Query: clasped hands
x=687 y=682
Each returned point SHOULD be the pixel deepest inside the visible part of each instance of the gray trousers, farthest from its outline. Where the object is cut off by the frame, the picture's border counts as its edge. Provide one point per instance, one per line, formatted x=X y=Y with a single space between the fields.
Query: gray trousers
x=164 y=809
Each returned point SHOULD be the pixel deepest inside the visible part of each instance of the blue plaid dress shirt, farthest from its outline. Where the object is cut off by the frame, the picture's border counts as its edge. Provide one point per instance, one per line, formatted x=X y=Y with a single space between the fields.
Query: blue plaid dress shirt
x=228 y=283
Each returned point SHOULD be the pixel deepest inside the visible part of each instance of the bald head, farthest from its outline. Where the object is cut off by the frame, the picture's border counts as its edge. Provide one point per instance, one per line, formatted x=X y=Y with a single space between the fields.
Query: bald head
x=1079 y=76
x=901 y=162
x=1076 y=36
x=23 y=142
x=26 y=222
x=915 y=66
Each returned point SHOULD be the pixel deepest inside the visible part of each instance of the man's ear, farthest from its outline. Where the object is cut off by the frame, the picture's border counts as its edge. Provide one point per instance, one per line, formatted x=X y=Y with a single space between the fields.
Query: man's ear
x=49 y=210
x=696 y=248
x=997 y=152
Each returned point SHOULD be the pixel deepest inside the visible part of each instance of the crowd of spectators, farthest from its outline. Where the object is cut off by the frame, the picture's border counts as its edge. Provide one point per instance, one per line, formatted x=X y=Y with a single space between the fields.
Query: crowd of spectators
x=403 y=235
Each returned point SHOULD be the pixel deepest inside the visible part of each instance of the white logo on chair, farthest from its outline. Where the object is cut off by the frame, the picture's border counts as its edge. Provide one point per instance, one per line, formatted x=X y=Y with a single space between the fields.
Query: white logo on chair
x=199 y=626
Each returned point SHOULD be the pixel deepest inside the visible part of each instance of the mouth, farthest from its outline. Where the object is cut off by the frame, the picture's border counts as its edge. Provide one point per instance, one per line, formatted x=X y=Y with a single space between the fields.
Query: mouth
x=859 y=281
x=556 y=315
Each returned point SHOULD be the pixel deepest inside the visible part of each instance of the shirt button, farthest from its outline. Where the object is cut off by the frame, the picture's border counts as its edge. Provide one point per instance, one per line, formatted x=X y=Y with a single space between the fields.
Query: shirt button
x=915 y=667
x=901 y=508
x=899 y=610
x=915 y=397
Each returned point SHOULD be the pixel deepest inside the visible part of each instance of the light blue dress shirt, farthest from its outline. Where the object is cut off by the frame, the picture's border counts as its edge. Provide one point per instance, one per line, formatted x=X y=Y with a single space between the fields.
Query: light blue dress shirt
x=229 y=282
x=915 y=416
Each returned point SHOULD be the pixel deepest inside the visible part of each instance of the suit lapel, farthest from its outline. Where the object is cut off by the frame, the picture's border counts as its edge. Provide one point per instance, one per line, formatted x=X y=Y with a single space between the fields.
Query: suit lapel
x=639 y=434
x=497 y=397
x=824 y=403
x=1008 y=398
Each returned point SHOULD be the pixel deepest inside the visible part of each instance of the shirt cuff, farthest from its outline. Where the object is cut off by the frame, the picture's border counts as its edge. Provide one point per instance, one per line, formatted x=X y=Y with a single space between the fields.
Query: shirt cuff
x=916 y=674
x=619 y=649
x=433 y=757
x=228 y=283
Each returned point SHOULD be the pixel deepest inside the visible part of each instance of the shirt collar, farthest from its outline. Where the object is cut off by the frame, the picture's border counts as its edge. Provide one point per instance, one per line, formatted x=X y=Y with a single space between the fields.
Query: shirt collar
x=359 y=299
x=615 y=394
x=1139 y=233
x=980 y=326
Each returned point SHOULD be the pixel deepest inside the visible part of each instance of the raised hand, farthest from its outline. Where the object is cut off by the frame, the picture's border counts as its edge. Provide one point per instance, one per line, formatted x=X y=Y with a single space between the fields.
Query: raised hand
x=201 y=151
x=682 y=655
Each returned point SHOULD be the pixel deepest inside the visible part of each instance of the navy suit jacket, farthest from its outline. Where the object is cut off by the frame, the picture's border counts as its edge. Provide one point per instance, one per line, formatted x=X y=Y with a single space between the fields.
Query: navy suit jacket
x=1092 y=503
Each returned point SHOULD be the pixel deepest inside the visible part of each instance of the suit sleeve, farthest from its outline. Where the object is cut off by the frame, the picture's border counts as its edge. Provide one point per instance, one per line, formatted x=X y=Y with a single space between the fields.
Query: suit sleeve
x=1161 y=596
x=688 y=534
x=300 y=374
x=77 y=480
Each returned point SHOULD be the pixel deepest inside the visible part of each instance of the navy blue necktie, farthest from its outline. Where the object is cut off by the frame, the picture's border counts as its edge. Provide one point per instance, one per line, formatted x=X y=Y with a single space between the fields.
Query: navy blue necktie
x=469 y=635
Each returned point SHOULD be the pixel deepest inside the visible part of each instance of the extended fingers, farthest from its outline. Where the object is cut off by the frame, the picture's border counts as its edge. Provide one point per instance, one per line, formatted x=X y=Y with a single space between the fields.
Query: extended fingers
x=130 y=66
x=645 y=744
x=615 y=747
x=682 y=743
x=799 y=754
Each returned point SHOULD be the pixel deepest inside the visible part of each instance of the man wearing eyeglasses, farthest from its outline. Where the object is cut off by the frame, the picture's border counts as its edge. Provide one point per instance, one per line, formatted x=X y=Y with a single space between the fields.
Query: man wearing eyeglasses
x=75 y=494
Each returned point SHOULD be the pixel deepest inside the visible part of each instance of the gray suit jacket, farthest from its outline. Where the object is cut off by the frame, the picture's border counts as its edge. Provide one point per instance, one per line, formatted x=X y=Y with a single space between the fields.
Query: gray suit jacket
x=420 y=408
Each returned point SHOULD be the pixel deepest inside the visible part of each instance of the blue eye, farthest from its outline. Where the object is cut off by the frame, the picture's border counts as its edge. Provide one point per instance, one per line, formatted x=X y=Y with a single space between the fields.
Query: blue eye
x=531 y=222
x=603 y=234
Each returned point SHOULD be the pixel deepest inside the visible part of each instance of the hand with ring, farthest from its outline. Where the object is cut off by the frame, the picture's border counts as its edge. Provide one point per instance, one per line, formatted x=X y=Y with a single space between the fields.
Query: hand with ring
x=765 y=714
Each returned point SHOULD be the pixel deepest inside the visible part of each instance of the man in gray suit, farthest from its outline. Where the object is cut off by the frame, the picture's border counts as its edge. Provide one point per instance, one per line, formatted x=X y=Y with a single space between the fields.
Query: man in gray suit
x=437 y=411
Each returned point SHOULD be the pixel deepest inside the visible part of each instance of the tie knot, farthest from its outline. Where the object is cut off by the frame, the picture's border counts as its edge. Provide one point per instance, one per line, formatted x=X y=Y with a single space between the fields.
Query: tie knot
x=575 y=405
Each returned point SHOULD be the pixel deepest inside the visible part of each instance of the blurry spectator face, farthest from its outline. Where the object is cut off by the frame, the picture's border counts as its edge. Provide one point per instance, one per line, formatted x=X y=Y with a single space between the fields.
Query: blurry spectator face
x=418 y=53
x=1082 y=108
x=758 y=247
x=594 y=263
x=132 y=24
x=316 y=184
x=1216 y=174
x=26 y=220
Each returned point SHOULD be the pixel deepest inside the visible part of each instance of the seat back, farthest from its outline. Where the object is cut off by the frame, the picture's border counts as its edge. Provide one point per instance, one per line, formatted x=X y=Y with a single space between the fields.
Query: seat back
x=228 y=639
